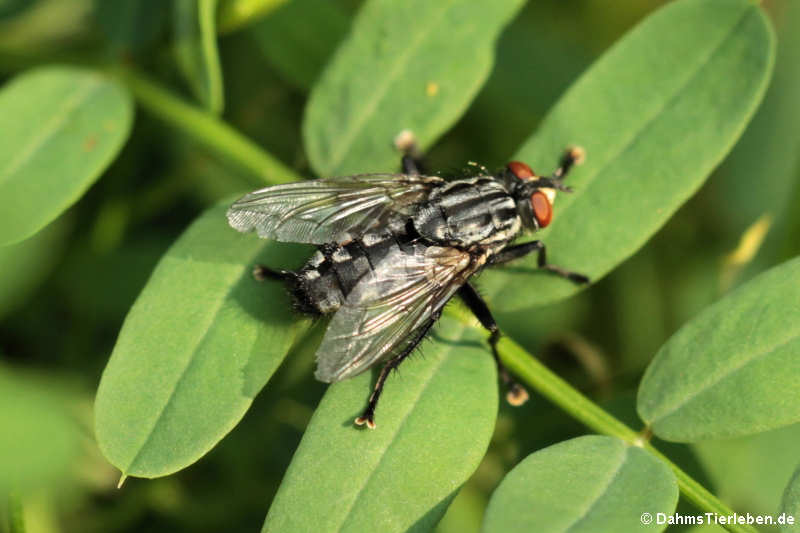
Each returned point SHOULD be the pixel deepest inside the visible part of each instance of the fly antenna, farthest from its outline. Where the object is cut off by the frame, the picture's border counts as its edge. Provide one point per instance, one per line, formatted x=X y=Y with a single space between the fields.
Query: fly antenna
x=552 y=183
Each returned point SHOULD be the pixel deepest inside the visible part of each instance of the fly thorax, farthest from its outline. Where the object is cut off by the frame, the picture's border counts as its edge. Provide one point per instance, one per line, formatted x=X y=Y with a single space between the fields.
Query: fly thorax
x=468 y=212
x=430 y=223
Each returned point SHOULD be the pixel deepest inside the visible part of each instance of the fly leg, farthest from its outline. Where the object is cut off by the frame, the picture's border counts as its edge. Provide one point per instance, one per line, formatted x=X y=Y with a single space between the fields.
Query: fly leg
x=521 y=250
x=262 y=272
x=516 y=395
x=573 y=156
x=368 y=416
x=411 y=166
x=412 y=163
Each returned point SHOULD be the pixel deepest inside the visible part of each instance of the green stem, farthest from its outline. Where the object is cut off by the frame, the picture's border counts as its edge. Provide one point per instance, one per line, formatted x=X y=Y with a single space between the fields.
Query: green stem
x=532 y=372
x=699 y=495
x=204 y=128
x=210 y=52
x=16 y=515
x=548 y=384
x=529 y=370
x=233 y=14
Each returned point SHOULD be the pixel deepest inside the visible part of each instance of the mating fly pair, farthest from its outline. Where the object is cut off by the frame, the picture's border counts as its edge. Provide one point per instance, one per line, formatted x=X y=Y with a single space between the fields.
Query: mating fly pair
x=394 y=248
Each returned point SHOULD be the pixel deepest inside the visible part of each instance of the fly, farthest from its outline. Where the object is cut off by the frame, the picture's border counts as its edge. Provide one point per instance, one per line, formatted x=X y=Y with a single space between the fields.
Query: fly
x=394 y=248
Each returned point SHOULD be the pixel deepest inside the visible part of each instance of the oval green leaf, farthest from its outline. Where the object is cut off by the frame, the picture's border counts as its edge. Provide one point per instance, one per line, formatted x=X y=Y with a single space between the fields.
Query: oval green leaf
x=201 y=340
x=733 y=369
x=655 y=114
x=790 y=506
x=196 y=50
x=63 y=127
x=593 y=484
x=435 y=419
x=403 y=67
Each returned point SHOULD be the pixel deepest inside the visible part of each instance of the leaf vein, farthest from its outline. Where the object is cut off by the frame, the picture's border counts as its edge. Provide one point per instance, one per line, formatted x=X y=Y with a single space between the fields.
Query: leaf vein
x=393 y=440
x=191 y=361
x=731 y=370
x=599 y=494
x=344 y=142
x=79 y=95
x=591 y=180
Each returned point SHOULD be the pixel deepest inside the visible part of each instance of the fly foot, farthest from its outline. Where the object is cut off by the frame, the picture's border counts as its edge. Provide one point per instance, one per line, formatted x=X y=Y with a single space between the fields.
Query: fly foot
x=367 y=418
x=516 y=395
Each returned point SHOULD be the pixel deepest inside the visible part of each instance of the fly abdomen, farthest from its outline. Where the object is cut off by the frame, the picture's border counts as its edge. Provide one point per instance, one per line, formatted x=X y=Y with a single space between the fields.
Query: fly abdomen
x=322 y=285
x=467 y=212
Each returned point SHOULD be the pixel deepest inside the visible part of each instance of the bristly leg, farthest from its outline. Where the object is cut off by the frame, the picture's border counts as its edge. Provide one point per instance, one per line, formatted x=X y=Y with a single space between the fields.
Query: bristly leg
x=516 y=395
x=262 y=272
x=412 y=161
x=521 y=250
x=368 y=416
x=411 y=166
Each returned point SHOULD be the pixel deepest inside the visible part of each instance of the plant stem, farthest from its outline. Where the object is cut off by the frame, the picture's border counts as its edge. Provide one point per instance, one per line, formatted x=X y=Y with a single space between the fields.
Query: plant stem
x=204 y=128
x=532 y=372
x=548 y=384
x=233 y=14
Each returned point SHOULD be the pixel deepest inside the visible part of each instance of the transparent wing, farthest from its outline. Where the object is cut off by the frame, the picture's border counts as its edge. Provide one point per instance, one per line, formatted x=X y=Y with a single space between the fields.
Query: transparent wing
x=383 y=313
x=326 y=210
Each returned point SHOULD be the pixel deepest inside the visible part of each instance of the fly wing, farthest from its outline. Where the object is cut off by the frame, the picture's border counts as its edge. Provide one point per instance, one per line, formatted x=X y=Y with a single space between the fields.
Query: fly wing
x=383 y=314
x=327 y=210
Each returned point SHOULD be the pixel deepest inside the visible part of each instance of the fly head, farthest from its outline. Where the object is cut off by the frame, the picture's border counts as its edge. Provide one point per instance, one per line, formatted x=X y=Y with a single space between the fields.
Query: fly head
x=534 y=195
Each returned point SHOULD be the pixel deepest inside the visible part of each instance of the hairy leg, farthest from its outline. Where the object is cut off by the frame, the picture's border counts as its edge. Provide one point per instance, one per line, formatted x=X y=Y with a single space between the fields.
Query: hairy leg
x=521 y=250
x=516 y=395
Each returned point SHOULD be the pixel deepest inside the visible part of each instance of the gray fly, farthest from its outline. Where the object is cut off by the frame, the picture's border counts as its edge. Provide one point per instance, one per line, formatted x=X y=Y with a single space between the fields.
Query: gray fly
x=394 y=248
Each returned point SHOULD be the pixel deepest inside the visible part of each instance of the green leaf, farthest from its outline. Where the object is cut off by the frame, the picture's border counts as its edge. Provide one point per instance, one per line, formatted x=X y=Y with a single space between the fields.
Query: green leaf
x=201 y=340
x=40 y=441
x=655 y=114
x=592 y=483
x=67 y=124
x=196 y=50
x=402 y=67
x=733 y=369
x=790 y=506
x=435 y=419
x=299 y=38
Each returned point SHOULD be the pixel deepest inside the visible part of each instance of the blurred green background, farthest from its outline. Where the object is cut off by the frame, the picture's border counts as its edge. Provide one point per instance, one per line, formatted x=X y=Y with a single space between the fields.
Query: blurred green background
x=65 y=292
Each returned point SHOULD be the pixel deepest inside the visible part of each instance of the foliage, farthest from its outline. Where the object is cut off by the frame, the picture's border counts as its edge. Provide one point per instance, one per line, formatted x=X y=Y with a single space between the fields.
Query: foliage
x=295 y=89
x=591 y=483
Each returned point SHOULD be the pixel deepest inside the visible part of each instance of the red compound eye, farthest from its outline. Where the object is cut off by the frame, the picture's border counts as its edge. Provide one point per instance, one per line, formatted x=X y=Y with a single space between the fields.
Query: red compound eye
x=542 y=208
x=521 y=170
